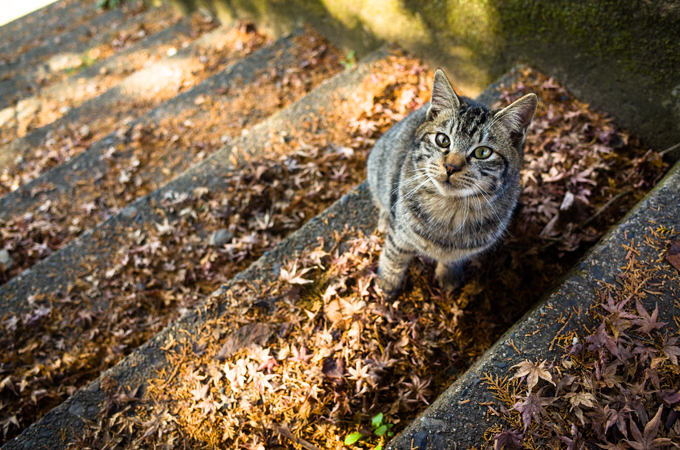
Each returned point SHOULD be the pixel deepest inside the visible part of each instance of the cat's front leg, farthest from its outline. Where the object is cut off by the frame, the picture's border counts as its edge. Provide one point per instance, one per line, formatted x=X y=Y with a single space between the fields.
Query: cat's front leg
x=394 y=260
x=450 y=275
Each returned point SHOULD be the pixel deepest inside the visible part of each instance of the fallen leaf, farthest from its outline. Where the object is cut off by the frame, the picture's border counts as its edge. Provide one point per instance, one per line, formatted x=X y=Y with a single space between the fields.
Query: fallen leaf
x=673 y=255
x=254 y=333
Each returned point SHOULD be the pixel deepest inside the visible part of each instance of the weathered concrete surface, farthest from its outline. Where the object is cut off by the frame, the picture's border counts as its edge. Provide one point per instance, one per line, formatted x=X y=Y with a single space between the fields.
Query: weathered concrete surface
x=75 y=174
x=354 y=209
x=620 y=56
x=449 y=422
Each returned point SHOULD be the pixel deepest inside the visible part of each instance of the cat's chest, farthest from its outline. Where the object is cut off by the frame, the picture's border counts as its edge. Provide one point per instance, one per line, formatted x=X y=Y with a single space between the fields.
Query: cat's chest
x=445 y=228
x=443 y=214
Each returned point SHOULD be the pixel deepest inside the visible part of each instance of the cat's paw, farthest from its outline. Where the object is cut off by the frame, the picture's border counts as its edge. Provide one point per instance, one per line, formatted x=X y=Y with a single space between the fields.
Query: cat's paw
x=390 y=288
x=449 y=284
x=449 y=277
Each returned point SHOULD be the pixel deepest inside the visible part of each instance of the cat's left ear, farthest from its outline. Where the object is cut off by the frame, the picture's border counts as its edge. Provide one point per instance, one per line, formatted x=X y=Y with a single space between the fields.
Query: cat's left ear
x=517 y=117
x=443 y=96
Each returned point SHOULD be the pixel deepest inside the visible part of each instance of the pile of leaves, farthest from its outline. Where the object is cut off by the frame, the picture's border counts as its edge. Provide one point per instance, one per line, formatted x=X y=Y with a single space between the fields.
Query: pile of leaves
x=578 y=168
x=314 y=357
x=618 y=386
x=314 y=366
x=164 y=268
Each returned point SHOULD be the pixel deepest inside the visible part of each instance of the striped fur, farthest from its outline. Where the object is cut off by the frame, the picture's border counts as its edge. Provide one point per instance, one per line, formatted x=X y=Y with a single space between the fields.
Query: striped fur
x=446 y=202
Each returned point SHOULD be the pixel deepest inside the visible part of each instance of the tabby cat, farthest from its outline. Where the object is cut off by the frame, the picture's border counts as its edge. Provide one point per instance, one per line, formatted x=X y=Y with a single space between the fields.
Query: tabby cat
x=446 y=181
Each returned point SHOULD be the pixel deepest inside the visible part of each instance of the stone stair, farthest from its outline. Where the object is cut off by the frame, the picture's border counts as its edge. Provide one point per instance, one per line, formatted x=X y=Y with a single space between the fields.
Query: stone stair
x=33 y=66
x=25 y=158
x=147 y=171
x=143 y=155
x=66 y=88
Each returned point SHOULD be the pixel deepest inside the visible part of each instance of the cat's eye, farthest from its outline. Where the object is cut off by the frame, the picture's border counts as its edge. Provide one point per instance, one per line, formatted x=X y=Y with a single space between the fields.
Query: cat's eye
x=483 y=152
x=442 y=140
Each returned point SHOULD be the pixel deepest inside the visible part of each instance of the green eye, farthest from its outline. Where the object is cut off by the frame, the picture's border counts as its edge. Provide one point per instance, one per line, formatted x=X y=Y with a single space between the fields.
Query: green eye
x=442 y=140
x=483 y=152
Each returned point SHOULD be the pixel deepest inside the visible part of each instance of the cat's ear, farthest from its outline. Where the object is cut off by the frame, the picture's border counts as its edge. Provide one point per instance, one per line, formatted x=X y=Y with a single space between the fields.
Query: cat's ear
x=443 y=96
x=517 y=117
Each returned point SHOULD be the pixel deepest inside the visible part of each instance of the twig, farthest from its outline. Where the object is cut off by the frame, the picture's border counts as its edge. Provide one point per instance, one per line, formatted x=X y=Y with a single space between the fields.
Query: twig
x=605 y=206
x=283 y=431
x=669 y=149
x=174 y=372
x=552 y=343
x=512 y=345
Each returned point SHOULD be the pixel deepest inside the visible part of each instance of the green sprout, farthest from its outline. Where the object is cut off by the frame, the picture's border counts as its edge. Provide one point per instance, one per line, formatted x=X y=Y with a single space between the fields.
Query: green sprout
x=350 y=60
x=379 y=427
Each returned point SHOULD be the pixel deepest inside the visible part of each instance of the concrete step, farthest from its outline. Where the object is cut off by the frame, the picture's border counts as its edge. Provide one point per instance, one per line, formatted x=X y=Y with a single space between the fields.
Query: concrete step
x=158 y=371
x=146 y=155
x=60 y=92
x=80 y=46
x=33 y=29
x=209 y=186
x=461 y=416
x=26 y=158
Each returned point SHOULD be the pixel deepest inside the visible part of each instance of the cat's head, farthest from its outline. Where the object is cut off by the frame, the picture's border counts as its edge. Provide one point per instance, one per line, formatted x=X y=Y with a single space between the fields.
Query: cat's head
x=466 y=149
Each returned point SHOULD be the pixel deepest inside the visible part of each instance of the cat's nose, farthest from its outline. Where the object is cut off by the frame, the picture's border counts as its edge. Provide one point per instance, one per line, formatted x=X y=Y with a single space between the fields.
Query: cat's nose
x=452 y=168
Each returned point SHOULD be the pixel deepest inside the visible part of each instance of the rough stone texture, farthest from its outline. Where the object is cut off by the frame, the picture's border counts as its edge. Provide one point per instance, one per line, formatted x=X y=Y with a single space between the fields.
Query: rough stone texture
x=448 y=422
x=620 y=56
x=354 y=209
x=69 y=176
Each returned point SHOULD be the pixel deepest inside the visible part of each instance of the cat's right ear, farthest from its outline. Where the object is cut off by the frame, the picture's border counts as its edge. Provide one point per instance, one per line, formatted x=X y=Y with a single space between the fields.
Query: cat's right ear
x=443 y=96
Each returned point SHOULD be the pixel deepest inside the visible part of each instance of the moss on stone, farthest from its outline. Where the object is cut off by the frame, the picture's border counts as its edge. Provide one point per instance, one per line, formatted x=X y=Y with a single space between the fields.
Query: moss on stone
x=643 y=36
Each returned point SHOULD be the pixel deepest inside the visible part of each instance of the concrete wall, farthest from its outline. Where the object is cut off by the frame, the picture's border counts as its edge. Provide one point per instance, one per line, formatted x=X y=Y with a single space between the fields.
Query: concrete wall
x=621 y=56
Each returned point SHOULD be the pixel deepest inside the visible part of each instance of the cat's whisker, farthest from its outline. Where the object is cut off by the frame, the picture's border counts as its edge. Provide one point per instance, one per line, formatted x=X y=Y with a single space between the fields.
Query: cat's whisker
x=411 y=193
x=419 y=174
x=488 y=202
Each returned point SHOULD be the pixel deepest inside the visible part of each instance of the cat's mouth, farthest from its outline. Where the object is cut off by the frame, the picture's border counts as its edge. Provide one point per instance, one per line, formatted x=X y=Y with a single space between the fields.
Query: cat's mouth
x=453 y=187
